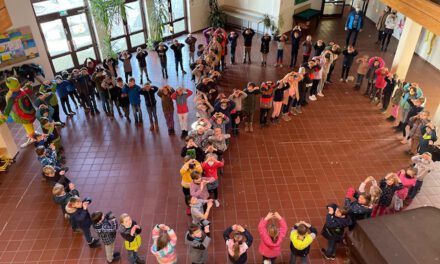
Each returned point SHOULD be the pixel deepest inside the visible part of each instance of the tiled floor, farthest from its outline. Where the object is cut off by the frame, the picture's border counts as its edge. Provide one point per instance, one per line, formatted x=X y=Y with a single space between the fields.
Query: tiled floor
x=294 y=168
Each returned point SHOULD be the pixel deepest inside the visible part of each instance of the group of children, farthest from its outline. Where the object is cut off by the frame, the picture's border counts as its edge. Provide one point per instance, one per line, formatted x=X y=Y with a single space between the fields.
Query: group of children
x=218 y=117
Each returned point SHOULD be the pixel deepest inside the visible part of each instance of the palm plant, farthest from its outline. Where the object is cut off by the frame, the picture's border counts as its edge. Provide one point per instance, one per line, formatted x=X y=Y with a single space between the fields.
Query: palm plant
x=217 y=18
x=108 y=13
x=157 y=20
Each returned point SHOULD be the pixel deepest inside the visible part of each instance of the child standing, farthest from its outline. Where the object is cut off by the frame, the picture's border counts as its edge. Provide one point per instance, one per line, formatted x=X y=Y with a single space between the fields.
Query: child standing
x=408 y=179
x=125 y=58
x=191 y=42
x=264 y=49
x=130 y=232
x=271 y=236
x=278 y=96
x=237 y=97
x=336 y=221
x=281 y=42
x=63 y=93
x=164 y=243
x=238 y=241
x=295 y=36
x=210 y=167
x=307 y=46
x=161 y=50
x=389 y=185
x=380 y=84
x=301 y=237
x=424 y=165
x=248 y=34
x=190 y=166
x=62 y=197
x=181 y=97
x=361 y=71
x=395 y=101
x=148 y=92
x=375 y=63
x=141 y=56
x=266 y=99
x=198 y=240
x=349 y=54
x=319 y=47
x=132 y=90
x=178 y=56
x=123 y=100
x=106 y=227
x=167 y=106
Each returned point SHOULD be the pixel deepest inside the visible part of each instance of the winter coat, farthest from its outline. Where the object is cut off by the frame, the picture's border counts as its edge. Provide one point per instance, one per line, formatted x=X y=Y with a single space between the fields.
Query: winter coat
x=198 y=247
x=351 y=20
x=268 y=247
x=265 y=44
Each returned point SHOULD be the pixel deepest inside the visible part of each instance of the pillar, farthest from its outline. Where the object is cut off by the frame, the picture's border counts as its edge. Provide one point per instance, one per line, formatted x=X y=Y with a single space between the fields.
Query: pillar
x=7 y=142
x=406 y=47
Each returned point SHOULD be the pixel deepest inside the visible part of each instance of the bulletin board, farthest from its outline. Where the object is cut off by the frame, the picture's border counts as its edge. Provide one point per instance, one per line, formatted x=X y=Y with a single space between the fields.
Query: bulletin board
x=17 y=45
x=297 y=2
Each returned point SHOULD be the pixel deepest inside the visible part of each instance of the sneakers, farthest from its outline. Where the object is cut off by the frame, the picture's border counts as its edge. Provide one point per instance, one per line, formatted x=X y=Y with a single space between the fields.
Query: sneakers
x=286 y=117
x=217 y=203
x=116 y=257
x=298 y=110
x=312 y=98
x=320 y=94
x=341 y=80
x=323 y=252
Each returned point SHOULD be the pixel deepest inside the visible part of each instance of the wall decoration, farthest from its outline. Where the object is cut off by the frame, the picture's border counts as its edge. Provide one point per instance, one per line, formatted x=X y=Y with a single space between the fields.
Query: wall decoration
x=297 y=2
x=17 y=45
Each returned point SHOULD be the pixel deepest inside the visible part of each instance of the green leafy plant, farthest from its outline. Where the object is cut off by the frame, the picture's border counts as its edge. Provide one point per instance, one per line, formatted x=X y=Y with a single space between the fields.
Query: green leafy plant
x=217 y=17
x=108 y=13
x=269 y=24
x=157 y=20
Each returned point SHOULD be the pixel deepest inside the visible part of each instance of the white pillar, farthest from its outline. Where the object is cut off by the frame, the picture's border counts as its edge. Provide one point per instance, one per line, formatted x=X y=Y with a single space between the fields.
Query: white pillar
x=7 y=142
x=406 y=47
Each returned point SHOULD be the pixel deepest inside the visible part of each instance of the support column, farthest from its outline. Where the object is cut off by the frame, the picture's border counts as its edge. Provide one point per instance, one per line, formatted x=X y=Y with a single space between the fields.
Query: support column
x=7 y=142
x=406 y=47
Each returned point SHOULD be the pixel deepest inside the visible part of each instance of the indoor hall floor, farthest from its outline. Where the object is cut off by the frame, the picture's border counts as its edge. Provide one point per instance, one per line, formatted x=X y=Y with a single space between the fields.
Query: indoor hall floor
x=295 y=167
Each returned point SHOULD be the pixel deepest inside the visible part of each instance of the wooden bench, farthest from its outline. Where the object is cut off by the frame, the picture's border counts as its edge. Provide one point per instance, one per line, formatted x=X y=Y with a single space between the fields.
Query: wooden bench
x=244 y=15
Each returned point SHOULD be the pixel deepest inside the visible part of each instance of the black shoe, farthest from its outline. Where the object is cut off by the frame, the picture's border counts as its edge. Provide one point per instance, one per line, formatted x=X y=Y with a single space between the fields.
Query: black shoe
x=95 y=243
x=148 y=79
x=129 y=120
x=323 y=253
x=140 y=261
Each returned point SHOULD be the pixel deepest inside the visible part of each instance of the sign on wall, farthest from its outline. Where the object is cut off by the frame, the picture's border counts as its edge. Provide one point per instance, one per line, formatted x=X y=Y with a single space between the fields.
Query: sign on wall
x=17 y=45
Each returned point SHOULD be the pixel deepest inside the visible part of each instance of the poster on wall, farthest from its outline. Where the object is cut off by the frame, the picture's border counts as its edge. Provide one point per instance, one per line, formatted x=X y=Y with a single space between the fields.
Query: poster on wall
x=17 y=45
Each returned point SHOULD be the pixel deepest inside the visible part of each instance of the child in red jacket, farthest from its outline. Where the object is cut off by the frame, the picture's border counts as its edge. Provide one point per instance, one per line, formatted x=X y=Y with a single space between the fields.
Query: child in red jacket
x=210 y=167
x=381 y=73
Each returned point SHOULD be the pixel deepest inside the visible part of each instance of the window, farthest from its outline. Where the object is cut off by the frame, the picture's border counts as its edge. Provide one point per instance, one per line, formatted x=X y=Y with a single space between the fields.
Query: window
x=176 y=16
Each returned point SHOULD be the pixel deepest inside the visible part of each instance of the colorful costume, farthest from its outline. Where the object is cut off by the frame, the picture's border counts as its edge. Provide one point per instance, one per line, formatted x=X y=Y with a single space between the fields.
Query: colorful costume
x=19 y=107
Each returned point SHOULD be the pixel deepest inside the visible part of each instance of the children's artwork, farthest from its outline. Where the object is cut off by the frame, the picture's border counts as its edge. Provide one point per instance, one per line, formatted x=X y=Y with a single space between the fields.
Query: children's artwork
x=17 y=45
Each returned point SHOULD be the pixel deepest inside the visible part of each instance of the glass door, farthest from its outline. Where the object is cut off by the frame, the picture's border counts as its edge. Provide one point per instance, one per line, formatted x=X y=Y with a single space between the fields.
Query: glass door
x=177 y=22
x=130 y=34
x=67 y=34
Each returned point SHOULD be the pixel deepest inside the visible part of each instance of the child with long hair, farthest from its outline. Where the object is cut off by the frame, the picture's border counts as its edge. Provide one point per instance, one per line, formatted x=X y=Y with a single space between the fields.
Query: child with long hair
x=266 y=99
x=271 y=236
x=164 y=243
x=379 y=84
x=389 y=185
x=301 y=237
x=374 y=63
x=238 y=241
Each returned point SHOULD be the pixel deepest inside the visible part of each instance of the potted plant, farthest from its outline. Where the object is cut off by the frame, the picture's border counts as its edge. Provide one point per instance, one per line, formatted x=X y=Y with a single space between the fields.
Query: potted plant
x=106 y=13
x=269 y=24
x=217 y=18
x=157 y=19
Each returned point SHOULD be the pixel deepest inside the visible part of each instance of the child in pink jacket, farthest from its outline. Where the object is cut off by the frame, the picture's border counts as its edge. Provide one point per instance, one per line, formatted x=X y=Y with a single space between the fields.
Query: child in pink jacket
x=380 y=84
x=408 y=179
x=271 y=236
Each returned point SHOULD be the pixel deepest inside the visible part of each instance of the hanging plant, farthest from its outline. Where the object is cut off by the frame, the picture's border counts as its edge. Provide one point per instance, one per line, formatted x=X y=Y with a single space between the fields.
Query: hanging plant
x=217 y=17
x=106 y=14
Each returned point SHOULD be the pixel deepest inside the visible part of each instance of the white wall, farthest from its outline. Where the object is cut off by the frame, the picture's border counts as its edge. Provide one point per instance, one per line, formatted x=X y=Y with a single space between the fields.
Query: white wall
x=422 y=48
x=198 y=11
x=21 y=14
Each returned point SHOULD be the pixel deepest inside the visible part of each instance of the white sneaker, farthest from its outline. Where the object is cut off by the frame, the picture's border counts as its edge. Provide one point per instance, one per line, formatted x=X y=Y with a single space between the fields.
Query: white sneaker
x=341 y=80
x=217 y=203
x=275 y=65
x=312 y=98
x=321 y=94
x=281 y=65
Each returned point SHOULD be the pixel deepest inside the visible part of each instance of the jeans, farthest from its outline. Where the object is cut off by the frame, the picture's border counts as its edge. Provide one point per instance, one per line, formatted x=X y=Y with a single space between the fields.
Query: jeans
x=331 y=248
x=126 y=110
x=65 y=105
x=263 y=115
x=349 y=33
x=105 y=101
x=93 y=102
x=386 y=37
x=191 y=57
x=314 y=89
x=137 y=112
x=151 y=110
x=112 y=103
x=345 y=71
x=56 y=113
x=233 y=54
x=144 y=69
x=386 y=100
x=329 y=75
x=359 y=80
x=163 y=65
x=133 y=256
x=183 y=121
x=169 y=118
x=74 y=94
x=178 y=61
x=280 y=54
x=87 y=234
x=414 y=190
x=293 y=57
x=130 y=73
x=293 y=259
x=247 y=53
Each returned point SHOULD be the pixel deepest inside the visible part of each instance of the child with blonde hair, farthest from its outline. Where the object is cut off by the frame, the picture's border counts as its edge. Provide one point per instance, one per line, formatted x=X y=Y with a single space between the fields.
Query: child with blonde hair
x=389 y=185
x=272 y=236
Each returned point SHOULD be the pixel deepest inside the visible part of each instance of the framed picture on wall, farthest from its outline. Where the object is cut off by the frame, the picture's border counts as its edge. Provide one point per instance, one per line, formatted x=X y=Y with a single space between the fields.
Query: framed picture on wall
x=17 y=45
x=297 y=2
